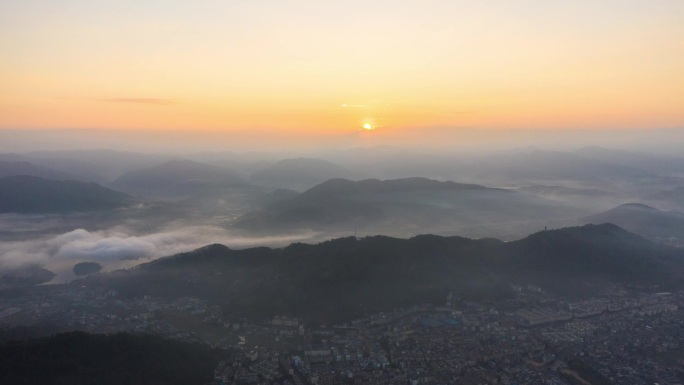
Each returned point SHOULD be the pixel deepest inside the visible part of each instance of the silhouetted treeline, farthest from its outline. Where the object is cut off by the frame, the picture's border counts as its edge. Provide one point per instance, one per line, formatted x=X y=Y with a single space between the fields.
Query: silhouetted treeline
x=79 y=358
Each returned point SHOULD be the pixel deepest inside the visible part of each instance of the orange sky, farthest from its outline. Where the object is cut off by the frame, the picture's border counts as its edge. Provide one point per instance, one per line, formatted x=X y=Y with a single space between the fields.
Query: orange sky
x=327 y=67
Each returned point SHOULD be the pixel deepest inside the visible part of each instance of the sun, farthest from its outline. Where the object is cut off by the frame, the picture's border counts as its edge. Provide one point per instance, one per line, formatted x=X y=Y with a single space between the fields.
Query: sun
x=367 y=126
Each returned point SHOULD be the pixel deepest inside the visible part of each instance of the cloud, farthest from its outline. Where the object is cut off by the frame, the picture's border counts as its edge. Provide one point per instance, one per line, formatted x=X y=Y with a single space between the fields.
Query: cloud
x=111 y=247
x=156 y=101
x=95 y=246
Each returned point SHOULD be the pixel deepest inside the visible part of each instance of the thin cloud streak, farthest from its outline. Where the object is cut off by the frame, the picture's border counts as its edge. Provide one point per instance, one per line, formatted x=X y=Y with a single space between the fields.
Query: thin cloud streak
x=153 y=101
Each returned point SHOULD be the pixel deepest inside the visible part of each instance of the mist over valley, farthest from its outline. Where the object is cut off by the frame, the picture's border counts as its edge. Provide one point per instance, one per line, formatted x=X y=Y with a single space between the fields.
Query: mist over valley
x=130 y=208
x=341 y=193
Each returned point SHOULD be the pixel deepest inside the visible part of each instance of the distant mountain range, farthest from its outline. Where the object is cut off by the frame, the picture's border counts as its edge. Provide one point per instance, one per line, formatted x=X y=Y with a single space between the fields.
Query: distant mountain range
x=644 y=161
x=402 y=207
x=26 y=168
x=178 y=178
x=523 y=166
x=29 y=194
x=561 y=192
x=645 y=220
x=636 y=174
x=551 y=165
x=348 y=277
x=302 y=173
x=396 y=163
x=101 y=166
x=673 y=197
x=105 y=165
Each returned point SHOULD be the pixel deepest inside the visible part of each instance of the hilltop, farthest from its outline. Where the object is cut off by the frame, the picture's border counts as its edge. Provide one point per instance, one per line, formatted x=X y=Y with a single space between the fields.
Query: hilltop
x=301 y=173
x=643 y=219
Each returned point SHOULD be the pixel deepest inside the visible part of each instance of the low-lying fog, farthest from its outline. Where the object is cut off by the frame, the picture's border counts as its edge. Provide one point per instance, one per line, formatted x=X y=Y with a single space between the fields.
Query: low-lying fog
x=128 y=208
x=121 y=247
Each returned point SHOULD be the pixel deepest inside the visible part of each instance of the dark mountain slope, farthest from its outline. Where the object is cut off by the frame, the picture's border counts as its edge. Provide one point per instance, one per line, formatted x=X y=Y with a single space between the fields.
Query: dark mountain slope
x=344 y=277
x=581 y=258
x=28 y=194
x=347 y=277
x=81 y=358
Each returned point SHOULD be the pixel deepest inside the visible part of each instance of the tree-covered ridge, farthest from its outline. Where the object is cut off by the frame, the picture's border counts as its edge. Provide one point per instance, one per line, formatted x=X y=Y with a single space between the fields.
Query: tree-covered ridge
x=348 y=277
x=79 y=358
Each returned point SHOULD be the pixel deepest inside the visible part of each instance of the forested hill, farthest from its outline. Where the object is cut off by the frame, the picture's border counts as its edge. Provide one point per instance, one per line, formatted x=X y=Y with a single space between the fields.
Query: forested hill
x=30 y=194
x=347 y=277
x=81 y=358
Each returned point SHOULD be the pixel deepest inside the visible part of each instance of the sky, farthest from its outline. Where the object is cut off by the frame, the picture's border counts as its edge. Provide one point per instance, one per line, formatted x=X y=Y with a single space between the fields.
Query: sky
x=321 y=70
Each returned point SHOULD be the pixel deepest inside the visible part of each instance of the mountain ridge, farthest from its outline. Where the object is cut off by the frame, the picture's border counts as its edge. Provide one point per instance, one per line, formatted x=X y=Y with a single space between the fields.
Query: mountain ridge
x=177 y=177
x=643 y=219
x=297 y=173
x=404 y=206
x=18 y=168
x=347 y=277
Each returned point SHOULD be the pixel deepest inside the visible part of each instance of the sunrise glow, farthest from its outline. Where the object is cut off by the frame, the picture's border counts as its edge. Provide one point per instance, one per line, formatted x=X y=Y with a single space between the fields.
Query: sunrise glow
x=318 y=68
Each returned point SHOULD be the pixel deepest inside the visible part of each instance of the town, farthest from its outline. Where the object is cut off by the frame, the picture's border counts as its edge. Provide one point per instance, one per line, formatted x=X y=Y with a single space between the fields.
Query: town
x=617 y=336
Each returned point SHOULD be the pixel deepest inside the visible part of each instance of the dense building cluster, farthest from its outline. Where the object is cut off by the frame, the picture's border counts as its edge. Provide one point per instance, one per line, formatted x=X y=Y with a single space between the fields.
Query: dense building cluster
x=615 y=337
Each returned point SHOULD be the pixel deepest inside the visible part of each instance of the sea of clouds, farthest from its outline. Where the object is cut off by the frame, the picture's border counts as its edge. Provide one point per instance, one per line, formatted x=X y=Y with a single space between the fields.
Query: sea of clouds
x=119 y=247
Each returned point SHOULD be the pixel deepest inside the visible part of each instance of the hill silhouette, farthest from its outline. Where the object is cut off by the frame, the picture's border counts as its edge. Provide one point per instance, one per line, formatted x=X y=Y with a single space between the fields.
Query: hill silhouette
x=348 y=277
x=102 y=164
x=402 y=207
x=301 y=173
x=24 y=276
x=178 y=178
x=27 y=168
x=85 y=268
x=642 y=219
x=577 y=259
x=28 y=194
